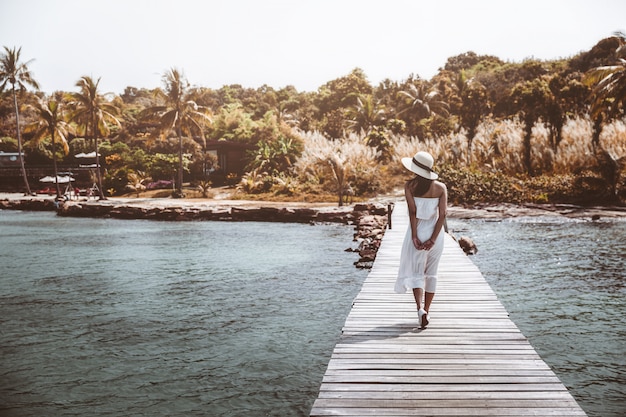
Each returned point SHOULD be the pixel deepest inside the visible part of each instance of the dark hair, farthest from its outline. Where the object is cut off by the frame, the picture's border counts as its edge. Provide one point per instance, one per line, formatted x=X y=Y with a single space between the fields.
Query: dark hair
x=419 y=185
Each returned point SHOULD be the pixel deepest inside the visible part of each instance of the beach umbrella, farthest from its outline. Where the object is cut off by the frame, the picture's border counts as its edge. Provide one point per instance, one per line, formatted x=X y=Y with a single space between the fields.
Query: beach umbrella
x=86 y=155
x=59 y=179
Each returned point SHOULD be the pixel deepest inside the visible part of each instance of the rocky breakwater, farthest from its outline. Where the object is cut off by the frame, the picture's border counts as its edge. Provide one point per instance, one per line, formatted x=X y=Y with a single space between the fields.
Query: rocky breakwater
x=369 y=219
x=28 y=204
x=231 y=211
x=370 y=226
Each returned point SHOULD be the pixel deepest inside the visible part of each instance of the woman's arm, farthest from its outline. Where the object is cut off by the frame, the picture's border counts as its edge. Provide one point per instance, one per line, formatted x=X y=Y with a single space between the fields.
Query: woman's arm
x=410 y=201
x=442 y=207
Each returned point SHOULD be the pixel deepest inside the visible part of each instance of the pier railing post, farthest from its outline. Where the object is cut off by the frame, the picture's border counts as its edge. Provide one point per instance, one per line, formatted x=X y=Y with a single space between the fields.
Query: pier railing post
x=389 y=211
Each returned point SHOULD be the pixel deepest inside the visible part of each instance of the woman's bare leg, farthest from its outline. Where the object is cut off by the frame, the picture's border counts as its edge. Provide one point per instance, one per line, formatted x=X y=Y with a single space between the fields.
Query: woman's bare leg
x=428 y=299
x=417 y=294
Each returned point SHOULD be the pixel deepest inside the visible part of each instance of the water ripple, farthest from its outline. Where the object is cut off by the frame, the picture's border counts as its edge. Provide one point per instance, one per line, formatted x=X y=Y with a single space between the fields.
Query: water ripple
x=563 y=285
x=108 y=317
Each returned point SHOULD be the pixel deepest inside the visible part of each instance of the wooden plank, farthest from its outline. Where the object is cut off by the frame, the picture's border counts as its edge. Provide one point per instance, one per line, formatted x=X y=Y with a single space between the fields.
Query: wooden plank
x=417 y=378
x=412 y=388
x=449 y=395
x=471 y=360
x=449 y=403
x=463 y=411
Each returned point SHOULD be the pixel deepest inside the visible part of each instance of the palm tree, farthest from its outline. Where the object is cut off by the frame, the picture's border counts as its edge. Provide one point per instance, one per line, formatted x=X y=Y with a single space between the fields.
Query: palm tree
x=608 y=101
x=366 y=114
x=609 y=89
x=18 y=75
x=179 y=114
x=340 y=167
x=136 y=179
x=276 y=156
x=51 y=126
x=421 y=102
x=93 y=112
x=425 y=101
x=530 y=99
x=474 y=106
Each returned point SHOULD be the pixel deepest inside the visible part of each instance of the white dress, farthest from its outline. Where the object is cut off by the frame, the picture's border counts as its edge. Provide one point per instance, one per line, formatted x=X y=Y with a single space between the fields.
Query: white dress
x=418 y=268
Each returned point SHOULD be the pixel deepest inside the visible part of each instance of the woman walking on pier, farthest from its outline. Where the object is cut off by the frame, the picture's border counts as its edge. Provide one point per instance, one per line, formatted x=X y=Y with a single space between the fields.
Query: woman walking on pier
x=427 y=200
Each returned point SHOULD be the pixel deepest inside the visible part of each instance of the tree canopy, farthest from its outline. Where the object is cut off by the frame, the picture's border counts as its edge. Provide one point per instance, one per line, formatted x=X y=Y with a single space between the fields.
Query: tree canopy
x=461 y=102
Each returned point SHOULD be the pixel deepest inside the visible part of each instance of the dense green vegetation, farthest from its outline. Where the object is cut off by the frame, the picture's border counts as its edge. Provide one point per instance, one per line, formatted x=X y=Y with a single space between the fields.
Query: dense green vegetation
x=535 y=131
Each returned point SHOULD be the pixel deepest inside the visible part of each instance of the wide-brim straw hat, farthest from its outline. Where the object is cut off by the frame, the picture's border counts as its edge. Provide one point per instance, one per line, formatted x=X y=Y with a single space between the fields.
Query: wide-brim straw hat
x=421 y=164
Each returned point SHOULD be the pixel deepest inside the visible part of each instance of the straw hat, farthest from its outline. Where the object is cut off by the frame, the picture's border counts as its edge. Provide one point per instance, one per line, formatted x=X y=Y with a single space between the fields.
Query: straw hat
x=421 y=164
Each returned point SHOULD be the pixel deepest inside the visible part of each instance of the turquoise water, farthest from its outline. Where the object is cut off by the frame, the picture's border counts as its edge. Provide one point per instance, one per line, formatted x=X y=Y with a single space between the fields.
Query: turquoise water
x=120 y=317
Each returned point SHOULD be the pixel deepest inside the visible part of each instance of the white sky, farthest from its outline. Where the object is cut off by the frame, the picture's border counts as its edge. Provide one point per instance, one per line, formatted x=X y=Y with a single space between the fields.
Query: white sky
x=304 y=43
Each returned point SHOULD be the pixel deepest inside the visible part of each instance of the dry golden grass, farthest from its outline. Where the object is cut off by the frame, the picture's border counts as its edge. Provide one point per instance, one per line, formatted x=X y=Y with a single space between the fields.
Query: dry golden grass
x=498 y=147
x=328 y=165
x=336 y=162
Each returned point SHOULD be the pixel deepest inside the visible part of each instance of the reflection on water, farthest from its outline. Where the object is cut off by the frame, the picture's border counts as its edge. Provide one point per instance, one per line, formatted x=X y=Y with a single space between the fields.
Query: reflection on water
x=107 y=317
x=563 y=284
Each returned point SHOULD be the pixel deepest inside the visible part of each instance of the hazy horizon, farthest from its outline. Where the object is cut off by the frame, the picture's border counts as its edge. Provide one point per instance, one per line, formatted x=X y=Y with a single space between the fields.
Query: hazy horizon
x=285 y=42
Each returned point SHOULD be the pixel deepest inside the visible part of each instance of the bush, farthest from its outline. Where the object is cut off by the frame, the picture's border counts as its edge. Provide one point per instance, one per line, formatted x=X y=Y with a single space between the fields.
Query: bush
x=553 y=189
x=468 y=186
x=8 y=144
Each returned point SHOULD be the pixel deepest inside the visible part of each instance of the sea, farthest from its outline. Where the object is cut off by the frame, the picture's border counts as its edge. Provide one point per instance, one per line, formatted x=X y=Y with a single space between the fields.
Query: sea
x=107 y=317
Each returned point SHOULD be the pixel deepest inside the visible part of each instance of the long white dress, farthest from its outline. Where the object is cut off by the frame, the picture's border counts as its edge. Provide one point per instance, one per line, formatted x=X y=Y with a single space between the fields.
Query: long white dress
x=418 y=268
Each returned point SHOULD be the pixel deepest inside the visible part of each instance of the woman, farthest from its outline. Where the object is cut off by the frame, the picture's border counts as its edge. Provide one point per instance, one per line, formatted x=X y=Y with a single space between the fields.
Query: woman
x=427 y=200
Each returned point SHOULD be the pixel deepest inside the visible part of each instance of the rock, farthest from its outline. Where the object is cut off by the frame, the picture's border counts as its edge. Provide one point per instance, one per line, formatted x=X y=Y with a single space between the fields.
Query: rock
x=371 y=223
x=27 y=204
x=364 y=265
x=468 y=245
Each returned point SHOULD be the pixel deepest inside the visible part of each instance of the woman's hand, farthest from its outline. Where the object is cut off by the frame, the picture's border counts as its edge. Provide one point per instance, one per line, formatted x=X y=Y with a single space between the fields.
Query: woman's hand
x=428 y=245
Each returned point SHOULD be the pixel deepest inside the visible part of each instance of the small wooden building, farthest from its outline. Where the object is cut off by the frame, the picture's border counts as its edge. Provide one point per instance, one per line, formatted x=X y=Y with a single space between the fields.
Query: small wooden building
x=10 y=159
x=232 y=157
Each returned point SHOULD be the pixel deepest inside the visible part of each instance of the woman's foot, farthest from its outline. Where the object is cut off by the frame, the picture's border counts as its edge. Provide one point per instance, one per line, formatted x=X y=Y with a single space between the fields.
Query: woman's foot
x=423 y=318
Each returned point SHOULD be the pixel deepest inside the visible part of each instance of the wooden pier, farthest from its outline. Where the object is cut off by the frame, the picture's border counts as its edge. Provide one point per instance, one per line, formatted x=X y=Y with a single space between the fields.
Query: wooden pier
x=472 y=360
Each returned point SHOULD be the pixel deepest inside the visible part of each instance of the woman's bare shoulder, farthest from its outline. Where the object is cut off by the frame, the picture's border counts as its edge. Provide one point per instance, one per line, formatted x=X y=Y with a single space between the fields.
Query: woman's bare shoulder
x=440 y=186
x=437 y=189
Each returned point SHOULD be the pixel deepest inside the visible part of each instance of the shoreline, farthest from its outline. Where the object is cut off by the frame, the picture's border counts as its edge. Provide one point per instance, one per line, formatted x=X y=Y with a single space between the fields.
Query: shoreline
x=171 y=209
x=323 y=212
x=505 y=210
x=370 y=219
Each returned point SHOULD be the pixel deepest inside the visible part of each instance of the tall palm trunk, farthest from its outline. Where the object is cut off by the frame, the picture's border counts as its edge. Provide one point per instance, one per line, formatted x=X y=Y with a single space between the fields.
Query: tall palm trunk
x=179 y=185
x=19 y=142
x=528 y=131
x=98 y=174
x=597 y=130
x=471 y=133
x=340 y=177
x=54 y=163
